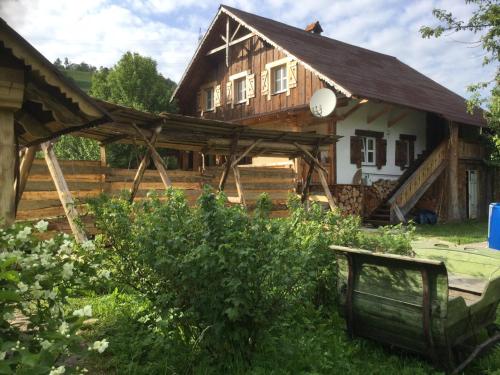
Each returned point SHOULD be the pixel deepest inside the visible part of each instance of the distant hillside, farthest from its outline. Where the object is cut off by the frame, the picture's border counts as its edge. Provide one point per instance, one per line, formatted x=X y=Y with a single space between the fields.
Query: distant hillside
x=82 y=79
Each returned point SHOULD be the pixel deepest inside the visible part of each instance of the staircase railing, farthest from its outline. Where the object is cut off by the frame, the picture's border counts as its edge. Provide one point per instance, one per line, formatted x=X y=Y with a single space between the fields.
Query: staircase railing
x=417 y=183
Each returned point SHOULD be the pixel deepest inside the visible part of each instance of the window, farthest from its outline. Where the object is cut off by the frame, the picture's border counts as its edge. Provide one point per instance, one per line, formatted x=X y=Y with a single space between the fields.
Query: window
x=279 y=77
x=368 y=151
x=209 y=99
x=240 y=90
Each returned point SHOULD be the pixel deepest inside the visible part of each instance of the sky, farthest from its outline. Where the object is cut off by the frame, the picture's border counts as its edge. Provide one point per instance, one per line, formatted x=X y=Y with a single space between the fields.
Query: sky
x=100 y=31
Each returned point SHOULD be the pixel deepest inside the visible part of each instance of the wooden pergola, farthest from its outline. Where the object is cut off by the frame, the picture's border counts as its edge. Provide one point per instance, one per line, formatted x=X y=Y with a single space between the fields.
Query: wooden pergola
x=38 y=104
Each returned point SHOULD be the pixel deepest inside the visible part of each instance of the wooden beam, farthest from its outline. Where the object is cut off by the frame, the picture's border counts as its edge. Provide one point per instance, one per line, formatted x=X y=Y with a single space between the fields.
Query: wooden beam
x=32 y=125
x=235 y=32
x=142 y=168
x=68 y=130
x=229 y=162
x=24 y=171
x=239 y=186
x=352 y=110
x=311 y=157
x=245 y=153
x=326 y=188
x=227 y=42
x=7 y=168
x=112 y=139
x=376 y=115
x=452 y=170
x=393 y=121
x=157 y=159
x=230 y=44
x=305 y=188
x=63 y=192
x=62 y=111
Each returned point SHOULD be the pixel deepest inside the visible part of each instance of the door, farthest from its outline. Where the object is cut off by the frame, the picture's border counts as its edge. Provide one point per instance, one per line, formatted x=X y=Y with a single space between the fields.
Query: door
x=472 y=190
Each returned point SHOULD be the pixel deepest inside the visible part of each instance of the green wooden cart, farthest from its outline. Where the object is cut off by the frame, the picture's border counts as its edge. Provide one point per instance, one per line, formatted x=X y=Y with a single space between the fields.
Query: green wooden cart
x=416 y=305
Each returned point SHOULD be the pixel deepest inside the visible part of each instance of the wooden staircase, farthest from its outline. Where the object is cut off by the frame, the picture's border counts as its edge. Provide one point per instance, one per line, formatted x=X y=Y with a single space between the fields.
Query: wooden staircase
x=411 y=187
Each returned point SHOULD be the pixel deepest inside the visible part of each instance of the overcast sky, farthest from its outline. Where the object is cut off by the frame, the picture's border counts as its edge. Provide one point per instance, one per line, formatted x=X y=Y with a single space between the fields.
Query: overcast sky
x=100 y=31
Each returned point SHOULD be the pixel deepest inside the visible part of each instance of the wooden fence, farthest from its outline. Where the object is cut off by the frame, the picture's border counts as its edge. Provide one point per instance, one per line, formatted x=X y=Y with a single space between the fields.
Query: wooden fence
x=88 y=179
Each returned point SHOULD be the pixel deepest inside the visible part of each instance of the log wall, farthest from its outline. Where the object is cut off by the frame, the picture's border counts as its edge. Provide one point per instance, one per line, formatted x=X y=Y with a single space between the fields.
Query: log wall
x=88 y=179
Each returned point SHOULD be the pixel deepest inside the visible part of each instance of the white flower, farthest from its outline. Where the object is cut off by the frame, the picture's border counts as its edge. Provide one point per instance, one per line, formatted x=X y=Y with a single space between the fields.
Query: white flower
x=23 y=234
x=57 y=371
x=42 y=225
x=8 y=316
x=2 y=355
x=66 y=247
x=86 y=311
x=64 y=328
x=88 y=245
x=100 y=346
x=103 y=273
x=67 y=270
x=50 y=294
x=22 y=287
x=45 y=344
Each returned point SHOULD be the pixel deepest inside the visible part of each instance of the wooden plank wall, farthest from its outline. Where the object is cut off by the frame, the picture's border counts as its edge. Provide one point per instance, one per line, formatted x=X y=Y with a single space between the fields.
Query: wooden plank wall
x=88 y=179
x=253 y=55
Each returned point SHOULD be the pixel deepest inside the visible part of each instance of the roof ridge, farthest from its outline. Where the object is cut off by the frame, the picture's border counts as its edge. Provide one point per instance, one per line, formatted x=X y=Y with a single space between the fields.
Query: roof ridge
x=229 y=8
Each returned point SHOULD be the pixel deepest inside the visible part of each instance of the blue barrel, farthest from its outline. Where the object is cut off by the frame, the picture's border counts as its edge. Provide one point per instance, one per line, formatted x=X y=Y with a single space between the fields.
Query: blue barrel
x=494 y=226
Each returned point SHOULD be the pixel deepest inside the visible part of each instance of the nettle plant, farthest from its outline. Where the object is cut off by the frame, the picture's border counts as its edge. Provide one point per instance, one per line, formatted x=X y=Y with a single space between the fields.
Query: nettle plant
x=37 y=332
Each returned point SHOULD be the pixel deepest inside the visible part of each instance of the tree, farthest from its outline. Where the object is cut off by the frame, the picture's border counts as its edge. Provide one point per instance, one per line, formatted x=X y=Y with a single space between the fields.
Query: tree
x=133 y=82
x=485 y=22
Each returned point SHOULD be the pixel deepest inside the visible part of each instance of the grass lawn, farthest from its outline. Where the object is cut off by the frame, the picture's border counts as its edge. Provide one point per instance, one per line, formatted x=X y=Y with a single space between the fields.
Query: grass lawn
x=457 y=233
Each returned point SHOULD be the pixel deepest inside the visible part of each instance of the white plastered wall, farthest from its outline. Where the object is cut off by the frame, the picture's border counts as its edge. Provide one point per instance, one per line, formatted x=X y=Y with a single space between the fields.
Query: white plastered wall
x=413 y=124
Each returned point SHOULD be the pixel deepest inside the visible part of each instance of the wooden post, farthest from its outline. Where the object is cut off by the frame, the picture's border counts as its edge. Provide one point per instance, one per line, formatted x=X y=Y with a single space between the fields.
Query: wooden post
x=157 y=159
x=227 y=42
x=228 y=164
x=239 y=186
x=142 y=168
x=11 y=100
x=7 y=168
x=102 y=151
x=63 y=191
x=453 y=182
x=306 y=187
x=326 y=188
x=24 y=171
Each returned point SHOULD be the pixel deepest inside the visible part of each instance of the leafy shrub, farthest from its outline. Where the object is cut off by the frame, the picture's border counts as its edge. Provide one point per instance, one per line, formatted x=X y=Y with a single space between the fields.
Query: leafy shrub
x=37 y=333
x=217 y=274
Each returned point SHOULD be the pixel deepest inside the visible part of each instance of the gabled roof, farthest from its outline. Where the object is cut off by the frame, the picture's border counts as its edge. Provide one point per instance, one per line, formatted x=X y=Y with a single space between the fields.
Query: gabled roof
x=355 y=71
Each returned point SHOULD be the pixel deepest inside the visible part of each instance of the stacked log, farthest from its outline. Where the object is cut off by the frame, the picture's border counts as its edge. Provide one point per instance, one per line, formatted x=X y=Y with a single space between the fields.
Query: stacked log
x=349 y=199
x=383 y=188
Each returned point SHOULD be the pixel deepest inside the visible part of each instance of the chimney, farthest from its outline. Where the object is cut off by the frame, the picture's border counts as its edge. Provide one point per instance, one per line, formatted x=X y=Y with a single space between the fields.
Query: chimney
x=314 y=28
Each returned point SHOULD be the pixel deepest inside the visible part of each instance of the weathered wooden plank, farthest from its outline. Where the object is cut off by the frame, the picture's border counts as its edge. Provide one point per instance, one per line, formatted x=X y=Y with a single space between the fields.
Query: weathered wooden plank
x=63 y=191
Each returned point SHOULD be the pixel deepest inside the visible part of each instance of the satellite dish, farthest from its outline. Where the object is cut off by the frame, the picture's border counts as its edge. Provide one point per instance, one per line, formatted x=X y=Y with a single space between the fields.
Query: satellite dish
x=323 y=103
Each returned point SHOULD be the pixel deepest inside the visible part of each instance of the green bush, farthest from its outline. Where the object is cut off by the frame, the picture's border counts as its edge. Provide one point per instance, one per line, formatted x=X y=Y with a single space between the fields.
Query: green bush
x=219 y=275
x=37 y=331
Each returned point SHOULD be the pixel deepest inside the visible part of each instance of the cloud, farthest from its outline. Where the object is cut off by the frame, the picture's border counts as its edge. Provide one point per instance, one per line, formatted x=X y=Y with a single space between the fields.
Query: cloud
x=100 y=31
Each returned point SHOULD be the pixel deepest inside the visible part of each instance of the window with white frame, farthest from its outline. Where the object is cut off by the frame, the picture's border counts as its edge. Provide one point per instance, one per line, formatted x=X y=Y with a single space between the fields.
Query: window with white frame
x=279 y=79
x=209 y=99
x=240 y=94
x=368 y=151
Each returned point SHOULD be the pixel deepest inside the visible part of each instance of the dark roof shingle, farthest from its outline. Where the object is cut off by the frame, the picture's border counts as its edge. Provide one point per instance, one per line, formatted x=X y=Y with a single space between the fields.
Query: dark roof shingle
x=362 y=72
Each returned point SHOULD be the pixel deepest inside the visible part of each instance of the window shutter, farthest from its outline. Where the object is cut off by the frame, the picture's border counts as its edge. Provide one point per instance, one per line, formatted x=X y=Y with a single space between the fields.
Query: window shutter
x=217 y=94
x=411 y=148
x=229 y=92
x=400 y=154
x=381 y=152
x=356 y=145
x=250 y=86
x=292 y=74
x=264 y=81
x=199 y=105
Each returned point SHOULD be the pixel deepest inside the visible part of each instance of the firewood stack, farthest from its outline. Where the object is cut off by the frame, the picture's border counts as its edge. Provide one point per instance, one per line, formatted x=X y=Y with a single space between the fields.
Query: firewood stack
x=382 y=188
x=349 y=199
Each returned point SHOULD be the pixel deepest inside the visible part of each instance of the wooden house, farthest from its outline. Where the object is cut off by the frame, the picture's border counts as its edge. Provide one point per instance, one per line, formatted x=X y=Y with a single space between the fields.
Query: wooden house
x=406 y=141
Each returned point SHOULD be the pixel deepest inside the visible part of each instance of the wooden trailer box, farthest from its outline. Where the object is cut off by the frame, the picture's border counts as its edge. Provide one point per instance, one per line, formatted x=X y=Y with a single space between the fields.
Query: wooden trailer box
x=416 y=305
